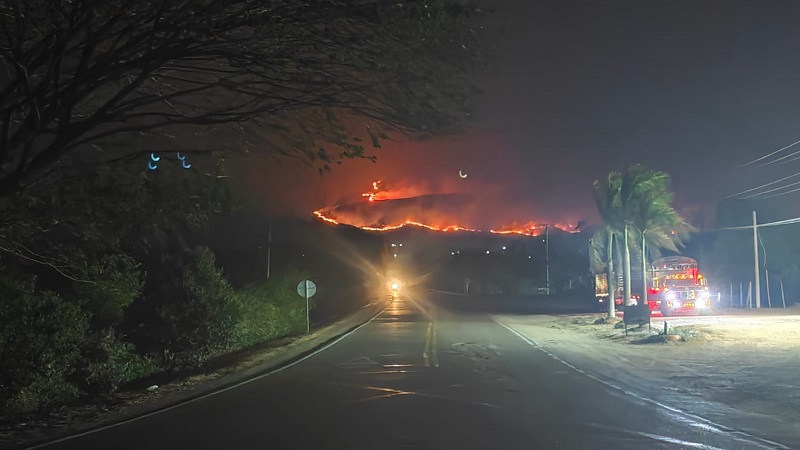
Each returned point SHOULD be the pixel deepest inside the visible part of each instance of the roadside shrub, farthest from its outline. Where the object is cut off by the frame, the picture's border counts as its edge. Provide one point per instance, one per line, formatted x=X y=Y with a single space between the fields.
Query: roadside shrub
x=210 y=300
x=271 y=309
x=41 y=336
x=109 y=362
x=196 y=315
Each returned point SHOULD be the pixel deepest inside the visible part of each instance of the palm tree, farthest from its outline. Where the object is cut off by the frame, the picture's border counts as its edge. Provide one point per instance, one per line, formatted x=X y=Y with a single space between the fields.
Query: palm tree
x=637 y=202
x=606 y=197
x=656 y=222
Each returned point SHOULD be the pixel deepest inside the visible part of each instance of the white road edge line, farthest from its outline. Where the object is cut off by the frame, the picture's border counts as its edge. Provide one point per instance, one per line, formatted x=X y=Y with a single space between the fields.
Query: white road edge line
x=210 y=394
x=718 y=428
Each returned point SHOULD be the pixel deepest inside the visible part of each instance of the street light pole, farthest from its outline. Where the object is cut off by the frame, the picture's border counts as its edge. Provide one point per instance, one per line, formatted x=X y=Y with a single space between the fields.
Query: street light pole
x=644 y=268
x=755 y=258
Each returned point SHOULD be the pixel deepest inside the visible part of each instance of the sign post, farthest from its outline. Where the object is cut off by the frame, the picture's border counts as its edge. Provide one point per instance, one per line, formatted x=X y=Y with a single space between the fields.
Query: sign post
x=307 y=289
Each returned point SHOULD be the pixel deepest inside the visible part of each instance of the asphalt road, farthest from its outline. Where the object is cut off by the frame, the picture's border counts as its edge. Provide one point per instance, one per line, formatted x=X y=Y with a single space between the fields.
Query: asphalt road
x=419 y=376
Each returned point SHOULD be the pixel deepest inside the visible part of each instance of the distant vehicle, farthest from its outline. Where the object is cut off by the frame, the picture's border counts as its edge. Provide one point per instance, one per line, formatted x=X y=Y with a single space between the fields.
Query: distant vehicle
x=677 y=286
x=602 y=295
x=394 y=289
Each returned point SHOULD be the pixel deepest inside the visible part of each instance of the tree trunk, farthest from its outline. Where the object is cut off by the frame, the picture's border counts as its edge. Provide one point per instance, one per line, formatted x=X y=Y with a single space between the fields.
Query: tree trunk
x=626 y=268
x=612 y=281
x=644 y=271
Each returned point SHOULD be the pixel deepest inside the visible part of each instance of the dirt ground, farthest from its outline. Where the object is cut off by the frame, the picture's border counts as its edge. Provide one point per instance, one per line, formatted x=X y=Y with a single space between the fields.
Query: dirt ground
x=739 y=370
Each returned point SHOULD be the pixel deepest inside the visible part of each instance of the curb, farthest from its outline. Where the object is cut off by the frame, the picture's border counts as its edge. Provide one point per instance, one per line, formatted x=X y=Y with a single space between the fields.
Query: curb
x=284 y=357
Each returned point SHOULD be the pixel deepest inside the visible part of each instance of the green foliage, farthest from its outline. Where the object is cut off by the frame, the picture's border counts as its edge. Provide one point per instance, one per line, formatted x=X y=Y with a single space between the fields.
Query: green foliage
x=636 y=208
x=115 y=282
x=202 y=319
x=271 y=309
x=640 y=199
x=41 y=336
x=142 y=215
x=121 y=292
x=210 y=292
x=109 y=362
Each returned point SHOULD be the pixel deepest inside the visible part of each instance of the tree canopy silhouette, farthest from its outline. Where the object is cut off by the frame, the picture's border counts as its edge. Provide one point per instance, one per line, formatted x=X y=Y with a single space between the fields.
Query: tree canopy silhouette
x=82 y=80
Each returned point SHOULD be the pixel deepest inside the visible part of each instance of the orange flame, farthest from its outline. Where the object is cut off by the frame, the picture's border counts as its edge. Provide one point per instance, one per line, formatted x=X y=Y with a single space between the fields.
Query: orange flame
x=376 y=186
x=532 y=229
x=322 y=216
x=378 y=194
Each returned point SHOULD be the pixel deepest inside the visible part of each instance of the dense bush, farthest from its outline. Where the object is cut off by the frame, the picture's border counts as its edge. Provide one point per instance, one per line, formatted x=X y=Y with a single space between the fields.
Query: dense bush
x=189 y=312
x=211 y=306
x=93 y=296
x=41 y=336
x=55 y=348
x=108 y=362
x=107 y=287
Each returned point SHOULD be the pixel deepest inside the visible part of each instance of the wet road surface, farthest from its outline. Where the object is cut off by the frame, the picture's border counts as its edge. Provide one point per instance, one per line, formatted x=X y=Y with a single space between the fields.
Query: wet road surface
x=420 y=376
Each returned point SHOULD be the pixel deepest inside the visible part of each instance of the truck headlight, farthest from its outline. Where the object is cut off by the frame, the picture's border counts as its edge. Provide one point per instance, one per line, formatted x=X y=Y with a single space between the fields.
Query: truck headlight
x=671 y=296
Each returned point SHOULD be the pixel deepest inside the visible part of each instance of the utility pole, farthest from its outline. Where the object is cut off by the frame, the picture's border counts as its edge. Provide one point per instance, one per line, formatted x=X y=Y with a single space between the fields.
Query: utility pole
x=755 y=259
x=547 y=256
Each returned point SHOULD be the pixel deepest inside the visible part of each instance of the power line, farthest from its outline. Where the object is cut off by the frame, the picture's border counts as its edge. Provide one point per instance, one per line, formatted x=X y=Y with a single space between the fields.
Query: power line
x=783 y=193
x=771 y=154
x=782 y=222
x=763 y=185
x=795 y=153
x=769 y=224
x=771 y=190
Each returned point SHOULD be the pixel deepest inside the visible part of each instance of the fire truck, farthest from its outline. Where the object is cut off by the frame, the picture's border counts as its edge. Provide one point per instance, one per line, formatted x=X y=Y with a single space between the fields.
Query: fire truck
x=678 y=287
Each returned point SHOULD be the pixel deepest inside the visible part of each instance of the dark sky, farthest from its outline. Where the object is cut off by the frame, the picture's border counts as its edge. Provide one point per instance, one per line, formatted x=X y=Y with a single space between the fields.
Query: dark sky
x=578 y=88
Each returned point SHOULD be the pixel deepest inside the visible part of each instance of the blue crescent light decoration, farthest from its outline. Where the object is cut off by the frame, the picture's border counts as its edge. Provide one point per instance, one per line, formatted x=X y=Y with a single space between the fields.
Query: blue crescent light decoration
x=185 y=164
x=155 y=157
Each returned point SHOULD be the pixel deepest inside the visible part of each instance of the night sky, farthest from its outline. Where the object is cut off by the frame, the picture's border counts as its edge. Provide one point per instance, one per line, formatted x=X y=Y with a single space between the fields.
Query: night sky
x=577 y=89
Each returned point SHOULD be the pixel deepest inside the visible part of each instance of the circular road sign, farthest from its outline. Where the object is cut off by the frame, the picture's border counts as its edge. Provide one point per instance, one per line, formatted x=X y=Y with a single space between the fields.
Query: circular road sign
x=301 y=288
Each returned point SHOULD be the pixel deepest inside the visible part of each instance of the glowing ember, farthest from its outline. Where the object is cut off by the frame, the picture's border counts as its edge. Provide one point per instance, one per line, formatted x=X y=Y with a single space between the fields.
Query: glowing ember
x=356 y=215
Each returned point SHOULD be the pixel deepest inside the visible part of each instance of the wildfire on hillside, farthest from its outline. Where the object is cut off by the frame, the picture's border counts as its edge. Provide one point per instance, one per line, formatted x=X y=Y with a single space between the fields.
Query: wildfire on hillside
x=387 y=209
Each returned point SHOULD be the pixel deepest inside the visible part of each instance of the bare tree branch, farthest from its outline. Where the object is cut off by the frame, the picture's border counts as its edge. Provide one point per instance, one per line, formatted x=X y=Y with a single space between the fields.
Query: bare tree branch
x=78 y=72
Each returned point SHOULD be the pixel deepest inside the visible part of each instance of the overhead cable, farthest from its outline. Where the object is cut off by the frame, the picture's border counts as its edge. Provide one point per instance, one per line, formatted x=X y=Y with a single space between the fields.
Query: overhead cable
x=768 y=224
x=771 y=154
x=758 y=194
x=763 y=186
